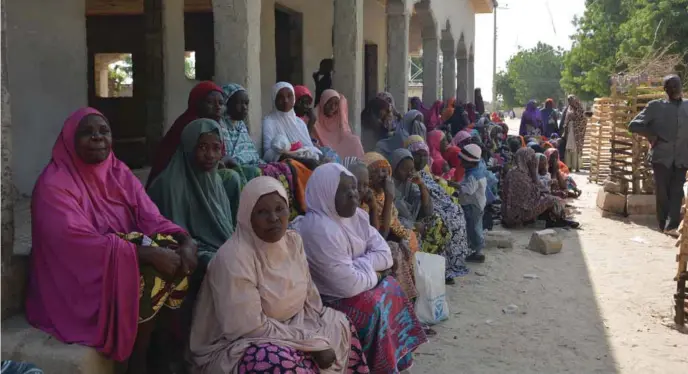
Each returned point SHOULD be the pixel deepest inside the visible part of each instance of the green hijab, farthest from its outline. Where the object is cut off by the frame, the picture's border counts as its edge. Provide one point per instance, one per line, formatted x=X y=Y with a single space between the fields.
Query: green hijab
x=194 y=199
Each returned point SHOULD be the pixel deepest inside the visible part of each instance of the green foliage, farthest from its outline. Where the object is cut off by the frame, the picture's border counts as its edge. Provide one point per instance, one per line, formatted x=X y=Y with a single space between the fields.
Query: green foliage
x=531 y=74
x=611 y=32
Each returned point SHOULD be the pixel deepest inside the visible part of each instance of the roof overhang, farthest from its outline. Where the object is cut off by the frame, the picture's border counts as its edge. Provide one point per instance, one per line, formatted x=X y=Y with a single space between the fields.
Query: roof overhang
x=483 y=6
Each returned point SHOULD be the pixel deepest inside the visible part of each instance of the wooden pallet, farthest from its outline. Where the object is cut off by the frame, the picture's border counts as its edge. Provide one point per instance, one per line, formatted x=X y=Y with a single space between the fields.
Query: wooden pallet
x=596 y=146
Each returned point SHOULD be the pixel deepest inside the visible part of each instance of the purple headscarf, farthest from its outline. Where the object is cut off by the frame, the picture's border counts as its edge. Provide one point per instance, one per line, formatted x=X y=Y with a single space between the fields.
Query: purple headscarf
x=531 y=116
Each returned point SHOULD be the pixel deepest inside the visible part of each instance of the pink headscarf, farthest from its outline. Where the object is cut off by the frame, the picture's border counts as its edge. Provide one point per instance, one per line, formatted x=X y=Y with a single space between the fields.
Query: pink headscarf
x=334 y=132
x=435 y=116
x=459 y=137
x=84 y=282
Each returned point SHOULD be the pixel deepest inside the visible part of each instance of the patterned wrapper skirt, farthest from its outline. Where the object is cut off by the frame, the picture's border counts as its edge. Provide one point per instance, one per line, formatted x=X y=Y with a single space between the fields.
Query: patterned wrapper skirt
x=269 y=358
x=387 y=326
x=154 y=291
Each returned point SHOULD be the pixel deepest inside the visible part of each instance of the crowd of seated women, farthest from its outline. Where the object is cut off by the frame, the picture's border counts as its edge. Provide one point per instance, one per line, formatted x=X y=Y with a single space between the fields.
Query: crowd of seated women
x=299 y=259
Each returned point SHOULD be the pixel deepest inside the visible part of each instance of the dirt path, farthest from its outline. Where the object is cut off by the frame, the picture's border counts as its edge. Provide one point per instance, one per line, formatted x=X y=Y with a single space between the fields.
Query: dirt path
x=602 y=305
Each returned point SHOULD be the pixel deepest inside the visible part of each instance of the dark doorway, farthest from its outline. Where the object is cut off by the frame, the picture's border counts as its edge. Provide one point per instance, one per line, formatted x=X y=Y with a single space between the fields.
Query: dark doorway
x=116 y=76
x=370 y=71
x=289 y=45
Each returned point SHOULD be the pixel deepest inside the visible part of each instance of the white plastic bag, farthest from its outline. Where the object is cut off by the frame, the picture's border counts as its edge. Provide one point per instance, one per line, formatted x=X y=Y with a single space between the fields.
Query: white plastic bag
x=431 y=304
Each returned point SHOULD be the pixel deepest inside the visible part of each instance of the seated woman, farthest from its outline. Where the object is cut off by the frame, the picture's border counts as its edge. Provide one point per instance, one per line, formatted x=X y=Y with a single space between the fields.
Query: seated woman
x=350 y=262
x=376 y=123
x=382 y=185
x=104 y=261
x=416 y=209
x=283 y=122
x=259 y=310
x=241 y=154
x=401 y=253
x=563 y=184
x=189 y=191
x=437 y=143
x=332 y=126
x=543 y=173
x=445 y=207
x=522 y=200
x=304 y=110
x=206 y=100
x=411 y=124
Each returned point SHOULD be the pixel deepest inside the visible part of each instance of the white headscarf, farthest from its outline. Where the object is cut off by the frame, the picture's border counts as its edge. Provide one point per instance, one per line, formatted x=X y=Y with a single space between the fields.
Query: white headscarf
x=286 y=124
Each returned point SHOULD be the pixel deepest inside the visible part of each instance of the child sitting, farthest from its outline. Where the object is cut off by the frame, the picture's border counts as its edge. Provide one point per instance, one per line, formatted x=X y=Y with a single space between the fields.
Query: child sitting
x=472 y=194
x=543 y=174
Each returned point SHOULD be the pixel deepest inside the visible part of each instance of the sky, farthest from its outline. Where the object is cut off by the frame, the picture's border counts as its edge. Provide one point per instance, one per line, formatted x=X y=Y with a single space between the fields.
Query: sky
x=523 y=23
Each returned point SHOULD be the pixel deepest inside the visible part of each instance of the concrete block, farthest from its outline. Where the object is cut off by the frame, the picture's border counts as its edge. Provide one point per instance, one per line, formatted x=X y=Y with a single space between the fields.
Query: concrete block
x=641 y=205
x=22 y=342
x=499 y=239
x=610 y=202
x=546 y=242
x=611 y=187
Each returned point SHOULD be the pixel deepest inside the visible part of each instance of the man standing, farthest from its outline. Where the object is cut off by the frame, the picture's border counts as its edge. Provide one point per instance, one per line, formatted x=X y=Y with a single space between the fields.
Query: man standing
x=665 y=124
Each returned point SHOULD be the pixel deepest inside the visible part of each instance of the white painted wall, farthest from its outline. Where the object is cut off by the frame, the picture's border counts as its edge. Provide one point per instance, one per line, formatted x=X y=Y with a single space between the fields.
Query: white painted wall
x=46 y=58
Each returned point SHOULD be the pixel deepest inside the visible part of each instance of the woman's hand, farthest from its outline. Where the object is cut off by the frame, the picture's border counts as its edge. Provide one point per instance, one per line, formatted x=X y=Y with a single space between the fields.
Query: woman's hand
x=416 y=179
x=324 y=359
x=369 y=199
x=389 y=188
x=187 y=252
x=420 y=228
x=166 y=261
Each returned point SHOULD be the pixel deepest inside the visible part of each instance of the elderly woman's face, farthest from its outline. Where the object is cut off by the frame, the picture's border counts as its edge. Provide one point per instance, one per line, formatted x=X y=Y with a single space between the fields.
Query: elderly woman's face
x=93 y=139
x=212 y=106
x=346 y=200
x=331 y=107
x=421 y=158
x=284 y=100
x=270 y=217
x=208 y=152
x=404 y=170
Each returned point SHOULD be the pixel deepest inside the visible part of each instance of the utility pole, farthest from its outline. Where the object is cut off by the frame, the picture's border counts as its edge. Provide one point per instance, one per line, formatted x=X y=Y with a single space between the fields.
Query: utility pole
x=494 y=56
x=494 y=60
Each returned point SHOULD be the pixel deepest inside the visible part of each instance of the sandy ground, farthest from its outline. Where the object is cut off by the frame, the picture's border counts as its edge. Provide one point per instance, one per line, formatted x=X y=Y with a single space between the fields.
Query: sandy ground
x=602 y=305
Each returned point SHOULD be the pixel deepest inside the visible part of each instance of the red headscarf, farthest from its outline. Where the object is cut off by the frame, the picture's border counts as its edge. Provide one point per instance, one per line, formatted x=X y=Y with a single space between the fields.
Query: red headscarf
x=170 y=142
x=452 y=156
x=434 y=140
x=299 y=92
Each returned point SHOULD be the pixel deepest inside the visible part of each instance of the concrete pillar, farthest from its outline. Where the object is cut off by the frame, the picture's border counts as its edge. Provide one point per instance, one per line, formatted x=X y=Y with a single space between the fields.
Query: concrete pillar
x=431 y=70
x=7 y=233
x=154 y=74
x=448 y=68
x=175 y=82
x=237 y=53
x=471 y=78
x=462 y=78
x=397 y=53
x=348 y=56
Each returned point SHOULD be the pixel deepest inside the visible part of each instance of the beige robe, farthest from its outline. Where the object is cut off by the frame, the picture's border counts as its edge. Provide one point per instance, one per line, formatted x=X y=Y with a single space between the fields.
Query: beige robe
x=258 y=292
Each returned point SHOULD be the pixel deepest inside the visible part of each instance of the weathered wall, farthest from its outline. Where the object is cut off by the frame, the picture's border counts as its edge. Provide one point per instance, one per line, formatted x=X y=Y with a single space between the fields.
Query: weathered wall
x=6 y=139
x=317 y=41
x=46 y=50
x=375 y=31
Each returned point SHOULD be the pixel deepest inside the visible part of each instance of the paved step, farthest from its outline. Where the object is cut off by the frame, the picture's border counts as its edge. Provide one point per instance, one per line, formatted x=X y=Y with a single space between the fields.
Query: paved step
x=21 y=342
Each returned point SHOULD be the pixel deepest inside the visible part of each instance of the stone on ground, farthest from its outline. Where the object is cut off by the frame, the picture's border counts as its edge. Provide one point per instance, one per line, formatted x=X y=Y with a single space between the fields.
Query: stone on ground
x=21 y=342
x=641 y=205
x=546 y=242
x=610 y=202
x=499 y=239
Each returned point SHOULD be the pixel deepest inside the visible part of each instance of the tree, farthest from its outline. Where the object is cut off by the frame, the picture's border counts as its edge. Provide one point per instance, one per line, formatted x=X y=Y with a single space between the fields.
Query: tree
x=531 y=74
x=611 y=32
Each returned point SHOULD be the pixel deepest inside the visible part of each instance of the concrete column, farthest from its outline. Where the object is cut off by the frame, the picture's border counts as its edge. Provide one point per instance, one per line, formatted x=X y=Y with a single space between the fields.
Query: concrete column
x=431 y=70
x=237 y=53
x=154 y=74
x=471 y=78
x=397 y=53
x=6 y=139
x=462 y=78
x=175 y=82
x=448 y=69
x=348 y=56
